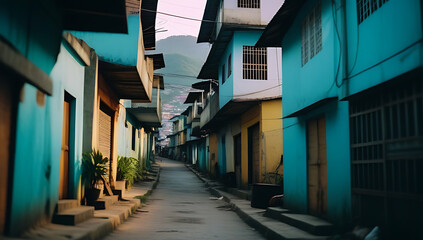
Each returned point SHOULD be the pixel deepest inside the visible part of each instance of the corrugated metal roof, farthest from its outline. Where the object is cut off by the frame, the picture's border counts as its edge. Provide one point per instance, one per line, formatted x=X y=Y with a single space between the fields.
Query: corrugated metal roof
x=148 y=21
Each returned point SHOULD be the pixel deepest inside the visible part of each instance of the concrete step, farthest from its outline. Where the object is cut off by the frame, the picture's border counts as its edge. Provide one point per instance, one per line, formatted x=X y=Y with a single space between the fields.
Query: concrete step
x=311 y=224
x=275 y=212
x=105 y=202
x=73 y=216
x=66 y=204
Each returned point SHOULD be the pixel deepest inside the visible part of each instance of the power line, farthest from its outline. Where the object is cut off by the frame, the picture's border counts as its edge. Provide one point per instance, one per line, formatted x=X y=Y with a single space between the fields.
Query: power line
x=178 y=16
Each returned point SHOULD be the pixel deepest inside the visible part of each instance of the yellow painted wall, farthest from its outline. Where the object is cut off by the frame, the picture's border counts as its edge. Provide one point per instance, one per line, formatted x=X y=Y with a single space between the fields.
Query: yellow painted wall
x=248 y=119
x=271 y=136
x=213 y=146
x=269 y=116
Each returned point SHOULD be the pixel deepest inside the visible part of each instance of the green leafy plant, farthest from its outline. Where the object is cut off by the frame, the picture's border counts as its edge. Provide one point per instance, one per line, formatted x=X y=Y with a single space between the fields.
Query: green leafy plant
x=93 y=168
x=127 y=169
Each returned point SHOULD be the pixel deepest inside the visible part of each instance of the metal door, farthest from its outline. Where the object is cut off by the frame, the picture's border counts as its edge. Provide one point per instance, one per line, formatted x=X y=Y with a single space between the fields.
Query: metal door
x=105 y=136
x=253 y=154
x=317 y=166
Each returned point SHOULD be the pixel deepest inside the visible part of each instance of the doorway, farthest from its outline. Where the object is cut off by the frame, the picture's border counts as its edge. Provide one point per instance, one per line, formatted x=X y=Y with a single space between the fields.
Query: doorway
x=237 y=158
x=105 y=136
x=317 y=166
x=64 y=173
x=253 y=154
x=8 y=104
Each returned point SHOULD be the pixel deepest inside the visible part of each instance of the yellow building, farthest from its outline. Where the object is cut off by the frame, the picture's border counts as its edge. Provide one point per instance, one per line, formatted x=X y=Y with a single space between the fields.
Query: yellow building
x=261 y=142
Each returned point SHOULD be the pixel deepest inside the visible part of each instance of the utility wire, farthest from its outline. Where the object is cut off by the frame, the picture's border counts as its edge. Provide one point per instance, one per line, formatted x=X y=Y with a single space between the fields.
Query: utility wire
x=178 y=16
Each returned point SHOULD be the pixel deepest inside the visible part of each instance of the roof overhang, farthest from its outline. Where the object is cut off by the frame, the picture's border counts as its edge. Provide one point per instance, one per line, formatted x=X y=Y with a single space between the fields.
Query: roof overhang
x=210 y=69
x=158 y=81
x=186 y=112
x=125 y=80
x=232 y=109
x=148 y=116
x=192 y=96
x=158 y=60
x=148 y=21
x=280 y=24
x=208 y=23
x=312 y=107
x=204 y=85
x=95 y=16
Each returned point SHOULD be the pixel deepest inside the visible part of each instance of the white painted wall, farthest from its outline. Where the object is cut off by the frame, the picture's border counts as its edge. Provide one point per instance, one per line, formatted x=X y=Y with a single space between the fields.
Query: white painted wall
x=262 y=16
x=256 y=89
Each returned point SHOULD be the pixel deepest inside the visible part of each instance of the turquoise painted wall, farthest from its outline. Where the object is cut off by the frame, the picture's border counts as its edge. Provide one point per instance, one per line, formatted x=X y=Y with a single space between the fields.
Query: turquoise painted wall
x=38 y=144
x=115 y=47
x=34 y=28
x=316 y=79
x=226 y=90
x=303 y=86
x=389 y=44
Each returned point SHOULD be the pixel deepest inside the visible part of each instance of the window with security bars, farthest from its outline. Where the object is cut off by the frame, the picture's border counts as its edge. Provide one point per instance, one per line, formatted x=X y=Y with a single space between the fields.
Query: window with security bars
x=386 y=130
x=254 y=63
x=311 y=34
x=249 y=3
x=366 y=7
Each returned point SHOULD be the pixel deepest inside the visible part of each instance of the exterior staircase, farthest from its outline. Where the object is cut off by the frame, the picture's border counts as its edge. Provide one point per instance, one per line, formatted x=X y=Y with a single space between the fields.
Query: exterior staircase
x=69 y=212
x=307 y=223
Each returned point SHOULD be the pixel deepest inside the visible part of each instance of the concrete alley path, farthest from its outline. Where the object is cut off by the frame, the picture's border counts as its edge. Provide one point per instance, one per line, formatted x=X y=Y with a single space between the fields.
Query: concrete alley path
x=180 y=208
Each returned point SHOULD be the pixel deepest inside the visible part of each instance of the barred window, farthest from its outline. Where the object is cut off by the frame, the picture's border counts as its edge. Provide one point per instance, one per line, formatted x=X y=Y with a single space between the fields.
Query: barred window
x=311 y=36
x=229 y=65
x=223 y=74
x=249 y=3
x=254 y=63
x=366 y=7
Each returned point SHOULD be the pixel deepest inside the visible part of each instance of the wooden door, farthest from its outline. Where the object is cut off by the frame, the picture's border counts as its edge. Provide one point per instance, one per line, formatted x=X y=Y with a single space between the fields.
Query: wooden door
x=64 y=155
x=8 y=105
x=237 y=157
x=105 y=136
x=317 y=166
x=253 y=154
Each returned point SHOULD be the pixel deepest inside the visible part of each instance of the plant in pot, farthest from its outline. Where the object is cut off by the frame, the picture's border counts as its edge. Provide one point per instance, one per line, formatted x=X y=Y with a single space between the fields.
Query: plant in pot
x=127 y=172
x=93 y=169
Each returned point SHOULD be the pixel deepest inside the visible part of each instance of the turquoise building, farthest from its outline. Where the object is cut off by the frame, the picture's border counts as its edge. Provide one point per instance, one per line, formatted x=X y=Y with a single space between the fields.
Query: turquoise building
x=352 y=94
x=42 y=73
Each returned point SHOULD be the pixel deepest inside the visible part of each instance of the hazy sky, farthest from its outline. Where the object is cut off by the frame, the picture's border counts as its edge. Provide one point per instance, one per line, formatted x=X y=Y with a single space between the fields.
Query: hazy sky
x=177 y=26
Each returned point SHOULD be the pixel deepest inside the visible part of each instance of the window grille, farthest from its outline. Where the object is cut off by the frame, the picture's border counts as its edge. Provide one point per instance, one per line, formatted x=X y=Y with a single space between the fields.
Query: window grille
x=254 y=63
x=223 y=74
x=229 y=65
x=249 y=3
x=311 y=34
x=366 y=7
x=386 y=132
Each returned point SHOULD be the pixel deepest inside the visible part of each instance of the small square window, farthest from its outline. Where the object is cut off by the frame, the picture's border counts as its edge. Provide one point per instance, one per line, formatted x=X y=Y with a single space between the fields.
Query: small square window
x=254 y=63
x=311 y=34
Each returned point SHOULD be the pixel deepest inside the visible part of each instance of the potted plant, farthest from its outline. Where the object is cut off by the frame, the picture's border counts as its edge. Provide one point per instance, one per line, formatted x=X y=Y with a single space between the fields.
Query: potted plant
x=127 y=172
x=93 y=169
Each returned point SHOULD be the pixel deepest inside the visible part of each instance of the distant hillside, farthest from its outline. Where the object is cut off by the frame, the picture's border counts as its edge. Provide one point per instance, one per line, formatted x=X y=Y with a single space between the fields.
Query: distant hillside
x=183 y=59
x=184 y=45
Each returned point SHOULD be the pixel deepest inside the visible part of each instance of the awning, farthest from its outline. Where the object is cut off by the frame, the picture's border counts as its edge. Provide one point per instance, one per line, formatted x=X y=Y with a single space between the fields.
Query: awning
x=95 y=15
x=26 y=71
x=125 y=80
x=158 y=81
x=311 y=107
x=208 y=25
x=186 y=112
x=232 y=109
x=203 y=85
x=158 y=60
x=192 y=96
x=148 y=21
x=148 y=116
x=280 y=24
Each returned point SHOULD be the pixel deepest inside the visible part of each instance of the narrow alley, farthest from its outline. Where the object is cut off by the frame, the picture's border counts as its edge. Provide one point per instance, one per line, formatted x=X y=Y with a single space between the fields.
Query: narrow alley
x=182 y=208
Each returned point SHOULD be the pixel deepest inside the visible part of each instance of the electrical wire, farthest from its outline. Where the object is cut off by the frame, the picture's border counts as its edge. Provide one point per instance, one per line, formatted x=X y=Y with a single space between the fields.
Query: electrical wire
x=179 y=16
x=335 y=22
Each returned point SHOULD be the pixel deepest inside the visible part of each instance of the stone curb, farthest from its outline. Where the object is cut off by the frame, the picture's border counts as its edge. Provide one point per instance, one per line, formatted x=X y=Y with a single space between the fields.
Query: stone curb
x=103 y=223
x=253 y=218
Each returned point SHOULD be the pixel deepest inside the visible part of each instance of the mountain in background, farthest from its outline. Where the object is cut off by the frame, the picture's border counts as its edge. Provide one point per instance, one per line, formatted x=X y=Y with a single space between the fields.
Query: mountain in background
x=183 y=59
